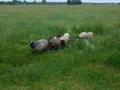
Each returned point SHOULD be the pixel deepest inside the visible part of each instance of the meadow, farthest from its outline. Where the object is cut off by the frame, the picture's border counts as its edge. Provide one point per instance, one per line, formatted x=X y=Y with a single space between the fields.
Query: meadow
x=76 y=67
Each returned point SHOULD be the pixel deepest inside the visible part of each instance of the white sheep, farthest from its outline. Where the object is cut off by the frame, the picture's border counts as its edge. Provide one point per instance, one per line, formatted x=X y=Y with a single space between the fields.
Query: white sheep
x=39 y=45
x=86 y=35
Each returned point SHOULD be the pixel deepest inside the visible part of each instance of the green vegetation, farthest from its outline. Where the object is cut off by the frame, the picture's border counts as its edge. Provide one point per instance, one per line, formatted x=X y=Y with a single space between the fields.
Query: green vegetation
x=74 y=2
x=44 y=1
x=79 y=66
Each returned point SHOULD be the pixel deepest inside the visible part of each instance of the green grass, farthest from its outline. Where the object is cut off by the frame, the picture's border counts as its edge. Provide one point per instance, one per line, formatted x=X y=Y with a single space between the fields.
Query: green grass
x=82 y=65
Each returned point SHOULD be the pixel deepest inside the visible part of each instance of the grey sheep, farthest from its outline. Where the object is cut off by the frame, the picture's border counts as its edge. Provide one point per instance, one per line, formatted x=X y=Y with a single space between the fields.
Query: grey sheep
x=39 y=45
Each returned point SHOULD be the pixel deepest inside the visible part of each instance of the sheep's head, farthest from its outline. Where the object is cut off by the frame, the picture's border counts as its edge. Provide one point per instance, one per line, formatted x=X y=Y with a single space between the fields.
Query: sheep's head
x=32 y=44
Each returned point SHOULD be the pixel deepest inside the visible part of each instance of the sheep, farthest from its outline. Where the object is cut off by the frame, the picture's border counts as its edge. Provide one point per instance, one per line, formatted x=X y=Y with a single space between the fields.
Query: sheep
x=86 y=35
x=65 y=37
x=55 y=43
x=39 y=45
x=58 y=41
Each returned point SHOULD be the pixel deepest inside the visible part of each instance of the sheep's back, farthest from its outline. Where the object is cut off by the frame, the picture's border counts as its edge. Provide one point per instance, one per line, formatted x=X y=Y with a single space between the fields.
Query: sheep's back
x=41 y=45
x=82 y=35
x=90 y=34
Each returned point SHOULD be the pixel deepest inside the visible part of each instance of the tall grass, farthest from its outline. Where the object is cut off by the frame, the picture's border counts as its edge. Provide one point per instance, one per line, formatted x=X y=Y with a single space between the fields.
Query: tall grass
x=83 y=64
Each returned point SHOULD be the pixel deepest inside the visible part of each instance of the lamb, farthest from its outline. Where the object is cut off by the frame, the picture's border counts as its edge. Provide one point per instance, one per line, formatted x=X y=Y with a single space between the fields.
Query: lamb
x=39 y=45
x=86 y=35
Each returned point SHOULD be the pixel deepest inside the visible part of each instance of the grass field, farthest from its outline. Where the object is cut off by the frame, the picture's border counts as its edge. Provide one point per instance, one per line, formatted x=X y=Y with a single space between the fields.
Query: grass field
x=76 y=67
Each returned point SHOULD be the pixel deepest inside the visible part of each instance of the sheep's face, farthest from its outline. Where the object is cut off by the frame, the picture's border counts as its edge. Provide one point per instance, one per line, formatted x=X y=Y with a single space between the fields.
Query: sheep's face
x=32 y=44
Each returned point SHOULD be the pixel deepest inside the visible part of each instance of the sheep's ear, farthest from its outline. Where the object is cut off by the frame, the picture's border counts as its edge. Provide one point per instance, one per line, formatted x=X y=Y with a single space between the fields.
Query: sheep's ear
x=31 y=41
